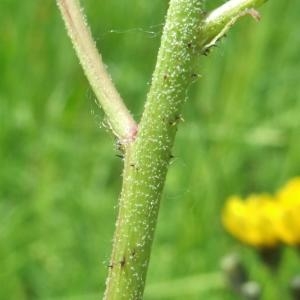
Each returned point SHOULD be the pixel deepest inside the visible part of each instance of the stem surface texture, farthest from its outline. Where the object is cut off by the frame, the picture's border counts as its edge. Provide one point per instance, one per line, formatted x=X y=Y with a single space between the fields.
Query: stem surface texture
x=147 y=158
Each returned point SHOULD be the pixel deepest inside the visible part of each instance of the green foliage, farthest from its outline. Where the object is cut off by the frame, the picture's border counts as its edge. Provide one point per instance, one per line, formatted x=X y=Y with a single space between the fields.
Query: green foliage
x=60 y=178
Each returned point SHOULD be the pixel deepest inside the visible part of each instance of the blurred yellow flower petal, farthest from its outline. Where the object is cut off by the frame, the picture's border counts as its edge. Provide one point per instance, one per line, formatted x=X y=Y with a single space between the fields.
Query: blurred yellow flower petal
x=262 y=221
x=250 y=220
x=290 y=193
x=288 y=224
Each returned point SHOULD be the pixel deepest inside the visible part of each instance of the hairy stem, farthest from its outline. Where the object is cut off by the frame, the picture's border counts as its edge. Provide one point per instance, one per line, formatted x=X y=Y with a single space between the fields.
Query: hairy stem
x=216 y=24
x=187 y=32
x=147 y=159
x=119 y=118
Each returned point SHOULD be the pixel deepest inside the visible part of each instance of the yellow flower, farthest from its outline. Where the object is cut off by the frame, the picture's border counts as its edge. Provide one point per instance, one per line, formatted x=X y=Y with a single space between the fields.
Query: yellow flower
x=290 y=193
x=251 y=220
x=288 y=223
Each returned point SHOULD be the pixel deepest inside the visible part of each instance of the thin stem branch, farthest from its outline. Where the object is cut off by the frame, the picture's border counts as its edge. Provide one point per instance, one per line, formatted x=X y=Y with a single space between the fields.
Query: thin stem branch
x=119 y=118
x=216 y=24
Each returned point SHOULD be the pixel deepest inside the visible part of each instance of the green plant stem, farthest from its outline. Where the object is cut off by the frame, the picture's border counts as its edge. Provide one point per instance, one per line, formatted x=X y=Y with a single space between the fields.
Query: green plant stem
x=147 y=158
x=187 y=32
x=217 y=22
x=119 y=118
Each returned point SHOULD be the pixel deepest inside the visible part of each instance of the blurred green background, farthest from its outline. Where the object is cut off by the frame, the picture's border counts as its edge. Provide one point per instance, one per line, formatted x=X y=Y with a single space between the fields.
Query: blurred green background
x=59 y=174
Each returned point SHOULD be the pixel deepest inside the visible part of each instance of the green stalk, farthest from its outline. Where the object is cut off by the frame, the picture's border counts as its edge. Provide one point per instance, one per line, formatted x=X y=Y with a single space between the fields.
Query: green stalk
x=187 y=32
x=147 y=158
x=218 y=22
x=118 y=116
